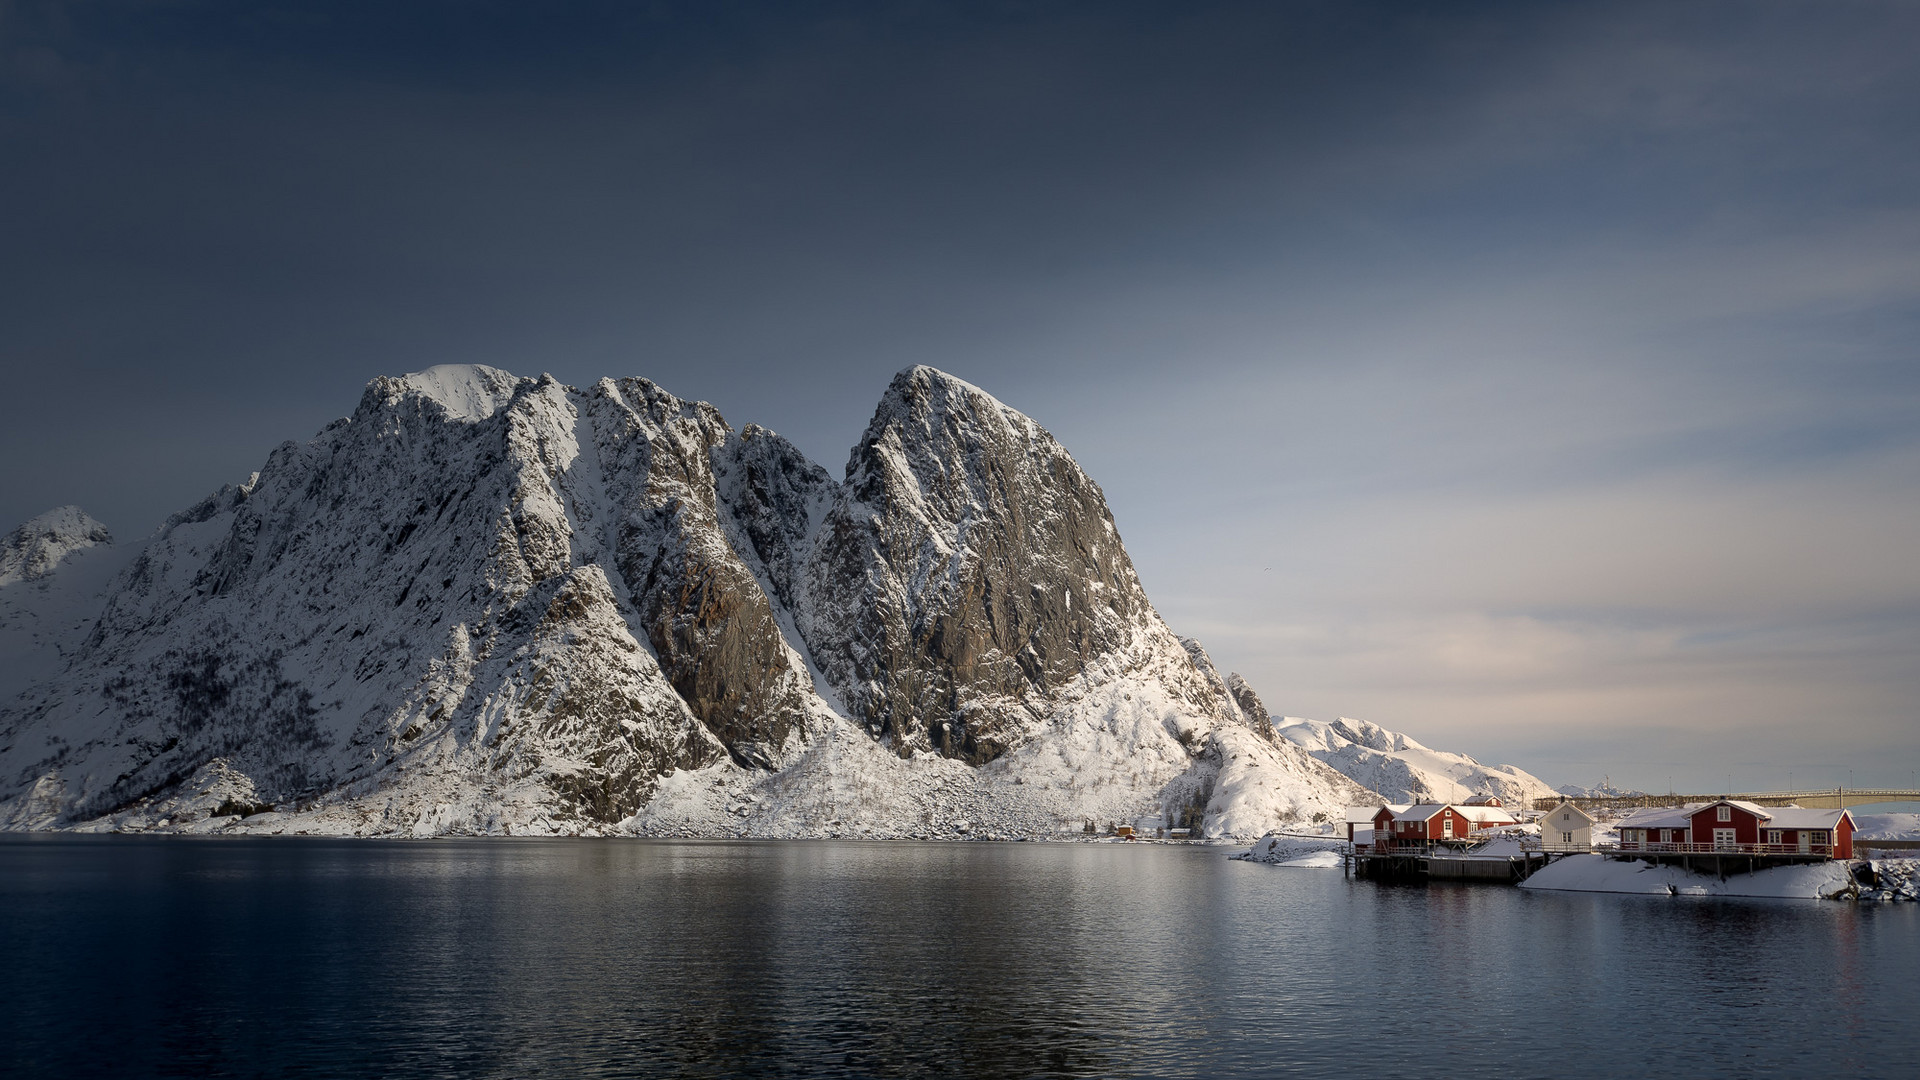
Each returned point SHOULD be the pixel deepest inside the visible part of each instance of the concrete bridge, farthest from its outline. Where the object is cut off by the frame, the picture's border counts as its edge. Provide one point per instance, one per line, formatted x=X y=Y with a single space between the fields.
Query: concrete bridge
x=1823 y=799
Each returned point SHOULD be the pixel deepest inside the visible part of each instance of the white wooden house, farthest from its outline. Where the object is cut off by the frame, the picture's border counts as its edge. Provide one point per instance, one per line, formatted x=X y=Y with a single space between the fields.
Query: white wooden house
x=1566 y=828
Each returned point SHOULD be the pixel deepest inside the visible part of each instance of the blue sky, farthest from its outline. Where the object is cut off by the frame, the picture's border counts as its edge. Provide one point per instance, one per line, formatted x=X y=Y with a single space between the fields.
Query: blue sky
x=1537 y=379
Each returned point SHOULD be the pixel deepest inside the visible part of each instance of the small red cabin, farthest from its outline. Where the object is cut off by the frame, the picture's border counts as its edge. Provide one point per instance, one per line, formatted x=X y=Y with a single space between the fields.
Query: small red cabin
x=1426 y=823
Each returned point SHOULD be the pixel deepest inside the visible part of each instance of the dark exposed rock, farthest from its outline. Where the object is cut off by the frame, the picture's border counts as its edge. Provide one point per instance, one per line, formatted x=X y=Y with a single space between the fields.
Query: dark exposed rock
x=1251 y=709
x=702 y=608
x=975 y=566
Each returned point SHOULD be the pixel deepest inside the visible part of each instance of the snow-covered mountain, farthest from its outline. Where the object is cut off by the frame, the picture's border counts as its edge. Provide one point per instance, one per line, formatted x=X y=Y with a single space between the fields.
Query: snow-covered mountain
x=1403 y=770
x=38 y=547
x=54 y=574
x=1602 y=790
x=486 y=603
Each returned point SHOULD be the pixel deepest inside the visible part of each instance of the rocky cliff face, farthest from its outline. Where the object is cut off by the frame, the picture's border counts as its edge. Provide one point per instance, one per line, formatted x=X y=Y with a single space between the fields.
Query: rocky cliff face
x=486 y=603
x=967 y=572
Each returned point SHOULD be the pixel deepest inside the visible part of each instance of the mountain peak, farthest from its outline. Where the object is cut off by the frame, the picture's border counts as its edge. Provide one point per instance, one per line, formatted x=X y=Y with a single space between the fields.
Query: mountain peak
x=470 y=392
x=40 y=544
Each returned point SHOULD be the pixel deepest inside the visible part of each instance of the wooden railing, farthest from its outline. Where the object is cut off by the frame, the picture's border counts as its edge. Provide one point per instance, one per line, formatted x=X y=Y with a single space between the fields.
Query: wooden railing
x=1629 y=847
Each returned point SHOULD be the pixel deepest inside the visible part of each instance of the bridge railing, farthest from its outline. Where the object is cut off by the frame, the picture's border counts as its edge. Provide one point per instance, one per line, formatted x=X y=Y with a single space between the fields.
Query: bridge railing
x=1816 y=799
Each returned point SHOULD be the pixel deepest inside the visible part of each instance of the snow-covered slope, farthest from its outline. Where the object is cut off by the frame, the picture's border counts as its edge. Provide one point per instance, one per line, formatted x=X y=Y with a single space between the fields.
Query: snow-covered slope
x=1403 y=770
x=486 y=603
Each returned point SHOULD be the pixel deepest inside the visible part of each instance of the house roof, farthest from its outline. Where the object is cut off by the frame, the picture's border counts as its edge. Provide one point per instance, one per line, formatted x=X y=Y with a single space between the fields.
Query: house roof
x=1799 y=817
x=1428 y=811
x=1363 y=815
x=1660 y=817
x=1761 y=812
x=1569 y=804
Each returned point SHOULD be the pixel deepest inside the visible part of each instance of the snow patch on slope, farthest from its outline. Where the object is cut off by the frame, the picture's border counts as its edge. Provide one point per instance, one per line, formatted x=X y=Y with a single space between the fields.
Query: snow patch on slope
x=469 y=392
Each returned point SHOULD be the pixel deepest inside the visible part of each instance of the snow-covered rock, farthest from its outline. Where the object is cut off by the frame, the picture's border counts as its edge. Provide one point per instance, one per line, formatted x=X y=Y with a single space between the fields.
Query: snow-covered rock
x=1403 y=770
x=487 y=604
x=1295 y=849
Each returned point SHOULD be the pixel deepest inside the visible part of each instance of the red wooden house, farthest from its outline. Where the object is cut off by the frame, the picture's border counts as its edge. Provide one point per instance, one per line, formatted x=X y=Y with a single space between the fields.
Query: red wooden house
x=1434 y=823
x=1730 y=826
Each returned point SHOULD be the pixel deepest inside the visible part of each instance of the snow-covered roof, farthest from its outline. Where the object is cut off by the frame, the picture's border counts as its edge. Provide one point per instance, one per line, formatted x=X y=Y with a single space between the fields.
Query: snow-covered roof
x=1658 y=817
x=1475 y=814
x=1362 y=815
x=1799 y=817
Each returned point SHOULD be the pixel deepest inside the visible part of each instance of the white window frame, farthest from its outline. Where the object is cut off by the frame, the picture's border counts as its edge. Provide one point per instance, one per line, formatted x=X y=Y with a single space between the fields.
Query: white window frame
x=1724 y=813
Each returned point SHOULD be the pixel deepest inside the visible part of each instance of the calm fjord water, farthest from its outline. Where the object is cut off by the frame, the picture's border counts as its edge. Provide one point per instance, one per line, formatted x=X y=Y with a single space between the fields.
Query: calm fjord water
x=130 y=956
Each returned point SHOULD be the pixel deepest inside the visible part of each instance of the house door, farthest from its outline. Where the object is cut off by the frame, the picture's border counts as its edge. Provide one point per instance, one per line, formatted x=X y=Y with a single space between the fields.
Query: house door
x=1806 y=841
x=1446 y=828
x=1723 y=839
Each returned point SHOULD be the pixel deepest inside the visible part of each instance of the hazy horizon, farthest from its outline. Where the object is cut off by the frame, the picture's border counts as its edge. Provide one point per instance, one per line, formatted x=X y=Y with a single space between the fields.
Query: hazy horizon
x=1538 y=381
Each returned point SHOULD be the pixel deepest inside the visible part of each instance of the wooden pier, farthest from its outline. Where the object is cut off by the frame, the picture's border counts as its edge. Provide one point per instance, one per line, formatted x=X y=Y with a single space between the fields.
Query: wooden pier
x=1445 y=865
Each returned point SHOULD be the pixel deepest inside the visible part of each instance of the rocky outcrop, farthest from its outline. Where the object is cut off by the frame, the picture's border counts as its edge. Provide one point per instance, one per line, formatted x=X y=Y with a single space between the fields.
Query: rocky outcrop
x=968 y=571
x=1252 y=710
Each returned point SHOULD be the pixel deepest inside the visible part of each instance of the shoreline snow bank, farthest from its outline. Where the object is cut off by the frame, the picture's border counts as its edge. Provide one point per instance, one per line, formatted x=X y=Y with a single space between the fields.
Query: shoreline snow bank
x=1598 y=873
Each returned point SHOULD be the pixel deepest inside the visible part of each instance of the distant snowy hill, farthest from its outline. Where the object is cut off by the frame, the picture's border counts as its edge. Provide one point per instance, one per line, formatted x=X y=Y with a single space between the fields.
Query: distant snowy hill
x=1403 y=770
x=54 y=574
x=38 y=547
x=486 y=603
x=1601 y=790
